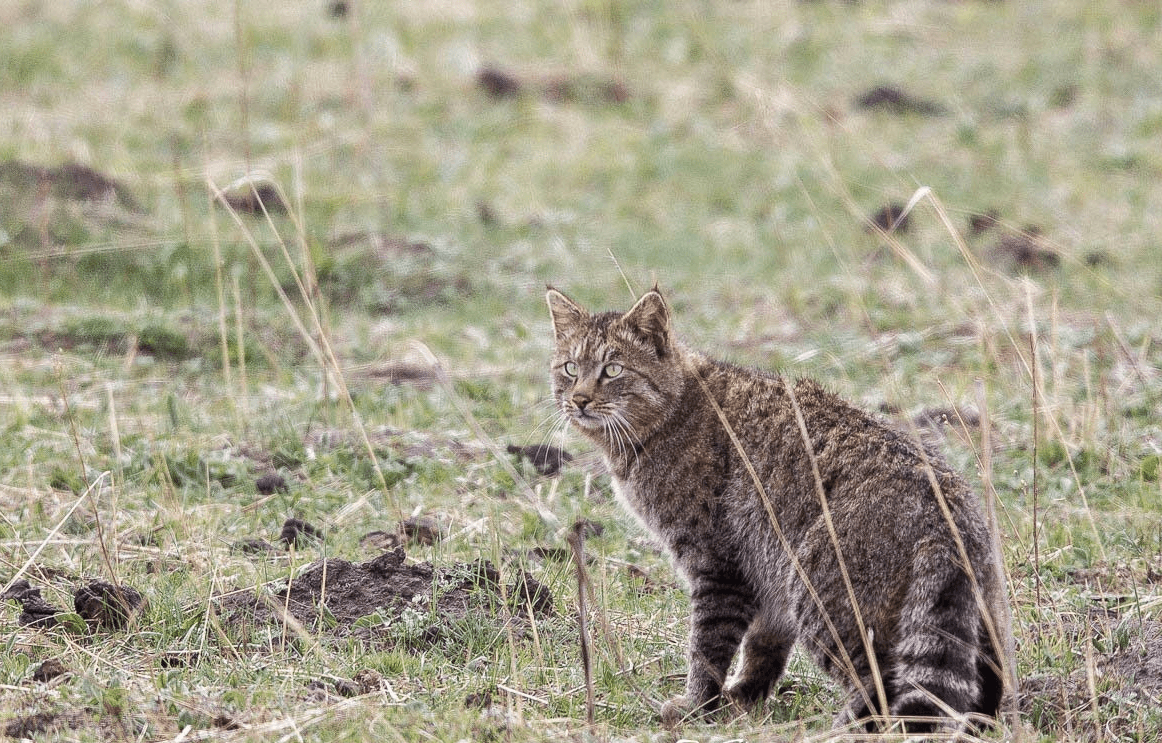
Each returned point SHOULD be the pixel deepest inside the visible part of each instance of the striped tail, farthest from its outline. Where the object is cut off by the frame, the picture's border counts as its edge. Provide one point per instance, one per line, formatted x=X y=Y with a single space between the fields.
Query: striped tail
x=937 y=663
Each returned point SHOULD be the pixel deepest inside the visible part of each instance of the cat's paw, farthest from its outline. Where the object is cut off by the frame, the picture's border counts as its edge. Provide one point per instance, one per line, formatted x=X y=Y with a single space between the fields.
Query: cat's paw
x=682 y=709
x=675 y=711
x=747 y=694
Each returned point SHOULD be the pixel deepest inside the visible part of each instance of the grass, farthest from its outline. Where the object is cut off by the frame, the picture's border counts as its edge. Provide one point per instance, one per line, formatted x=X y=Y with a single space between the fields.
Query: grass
x=150 y=371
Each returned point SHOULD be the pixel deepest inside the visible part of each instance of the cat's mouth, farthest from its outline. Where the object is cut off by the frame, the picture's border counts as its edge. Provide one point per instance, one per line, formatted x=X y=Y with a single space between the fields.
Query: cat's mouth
x=585 y=418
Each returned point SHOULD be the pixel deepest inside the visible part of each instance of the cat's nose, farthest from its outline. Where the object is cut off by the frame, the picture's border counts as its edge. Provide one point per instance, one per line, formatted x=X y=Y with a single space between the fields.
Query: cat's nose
x=581 y=400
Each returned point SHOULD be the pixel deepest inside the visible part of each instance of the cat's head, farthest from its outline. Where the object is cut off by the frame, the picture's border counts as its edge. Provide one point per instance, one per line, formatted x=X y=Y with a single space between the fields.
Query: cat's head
x=614 y=375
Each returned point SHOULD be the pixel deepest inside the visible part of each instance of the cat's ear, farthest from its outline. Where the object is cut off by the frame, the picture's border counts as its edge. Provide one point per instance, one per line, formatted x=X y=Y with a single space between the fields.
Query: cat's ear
x=566 y=313
x=649 y=319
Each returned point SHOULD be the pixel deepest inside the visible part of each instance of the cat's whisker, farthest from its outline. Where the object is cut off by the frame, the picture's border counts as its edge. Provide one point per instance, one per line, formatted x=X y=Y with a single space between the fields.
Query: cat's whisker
x=614 y=436
x=630 y=439
x=554 y=420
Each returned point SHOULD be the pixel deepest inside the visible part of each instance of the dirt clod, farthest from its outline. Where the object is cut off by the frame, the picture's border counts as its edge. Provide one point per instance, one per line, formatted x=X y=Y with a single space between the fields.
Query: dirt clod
x=420 y=530
x=1097 y=259
x=558 y=554
x=641 y=582
x=347 y=688
x=250 y=199
x=369 y=680
x=588 y=528
x=225 y=722
x=253 y=546
x=402 y=373
x=891 y=218
x=978 y=224
x=558 y=88
x=270 y=483
x=478 y=700
x=35 y=611
x=547 y=460
x=896 y=101
x=298 y=533
x=178 y=658
x=384 y=541
x=106 y=606
x=334 y=594
x=1026 y=252
x=381 y=541
x=71 y=181
x=530 y=591
x=49 y=669
x=498 y=83
x=29 y=725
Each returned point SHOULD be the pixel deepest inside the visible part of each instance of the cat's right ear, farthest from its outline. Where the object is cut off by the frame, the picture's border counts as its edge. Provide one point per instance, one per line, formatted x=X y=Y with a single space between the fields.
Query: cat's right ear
x=649 y=319
x=566 y=313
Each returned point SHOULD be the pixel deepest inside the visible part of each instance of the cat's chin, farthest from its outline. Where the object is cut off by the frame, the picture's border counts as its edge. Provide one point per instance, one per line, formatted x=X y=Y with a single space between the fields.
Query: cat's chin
x=586 y=422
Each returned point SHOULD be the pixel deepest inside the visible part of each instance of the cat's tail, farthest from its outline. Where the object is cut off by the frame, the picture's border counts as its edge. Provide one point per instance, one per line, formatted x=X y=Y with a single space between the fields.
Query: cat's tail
x=940 y=663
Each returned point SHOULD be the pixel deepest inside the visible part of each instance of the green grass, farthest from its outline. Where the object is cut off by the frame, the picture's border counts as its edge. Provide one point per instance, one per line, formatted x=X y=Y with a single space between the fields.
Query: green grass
x=737 y=172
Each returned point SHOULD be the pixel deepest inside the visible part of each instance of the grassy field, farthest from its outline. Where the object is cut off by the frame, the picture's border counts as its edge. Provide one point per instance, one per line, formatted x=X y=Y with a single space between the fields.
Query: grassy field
x=365 y=350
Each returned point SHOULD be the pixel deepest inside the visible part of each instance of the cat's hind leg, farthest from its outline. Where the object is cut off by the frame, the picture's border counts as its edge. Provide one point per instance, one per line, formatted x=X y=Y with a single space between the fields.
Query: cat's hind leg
x=722 y=606
x=765 y=649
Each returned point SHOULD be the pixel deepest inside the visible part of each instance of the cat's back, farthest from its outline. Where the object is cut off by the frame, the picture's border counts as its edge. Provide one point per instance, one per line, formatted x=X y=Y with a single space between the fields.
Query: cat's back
x=861 y=461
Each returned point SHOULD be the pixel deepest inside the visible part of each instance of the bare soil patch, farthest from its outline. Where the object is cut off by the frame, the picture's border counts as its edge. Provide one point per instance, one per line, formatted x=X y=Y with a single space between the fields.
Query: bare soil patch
x=333 y=595
x=1127 y=668
x=71 y=181
x=894 y=100
x=891 y=217
x=546 y=460
x=501 y=83
x=1025 y=252
x=25 y=727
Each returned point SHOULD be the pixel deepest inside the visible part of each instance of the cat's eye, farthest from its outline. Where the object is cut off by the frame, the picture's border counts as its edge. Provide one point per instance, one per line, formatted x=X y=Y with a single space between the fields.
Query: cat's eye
x=571 y=368
x=612 y=370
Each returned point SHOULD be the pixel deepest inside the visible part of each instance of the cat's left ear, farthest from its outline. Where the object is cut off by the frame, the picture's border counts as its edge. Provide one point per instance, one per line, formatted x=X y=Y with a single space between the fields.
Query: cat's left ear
x=566 y=313
x=650 y=320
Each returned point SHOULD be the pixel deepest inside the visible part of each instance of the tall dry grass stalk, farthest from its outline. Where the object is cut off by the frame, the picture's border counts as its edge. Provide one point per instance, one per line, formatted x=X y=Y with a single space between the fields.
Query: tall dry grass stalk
x=576 y=540
x=108 y=556
x=1009 y=706
x=243 y=65
x=317 y=336
x=243 y=406
x=844 y=661
x=223 y=311
x=532 y=498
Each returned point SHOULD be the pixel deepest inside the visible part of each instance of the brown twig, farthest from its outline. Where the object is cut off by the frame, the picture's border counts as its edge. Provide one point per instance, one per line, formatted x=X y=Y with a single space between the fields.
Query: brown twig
x=576 y=539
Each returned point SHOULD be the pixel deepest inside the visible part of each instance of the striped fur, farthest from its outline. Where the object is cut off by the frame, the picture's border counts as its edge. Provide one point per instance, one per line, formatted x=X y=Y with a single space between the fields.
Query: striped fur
x=762 y=565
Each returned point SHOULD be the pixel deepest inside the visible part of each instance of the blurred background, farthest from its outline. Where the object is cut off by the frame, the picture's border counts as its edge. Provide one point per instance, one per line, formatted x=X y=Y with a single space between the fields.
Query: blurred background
x=234 y=237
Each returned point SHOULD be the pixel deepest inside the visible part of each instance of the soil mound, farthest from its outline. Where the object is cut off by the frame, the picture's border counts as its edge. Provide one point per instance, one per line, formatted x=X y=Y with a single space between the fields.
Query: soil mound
x=333 y=595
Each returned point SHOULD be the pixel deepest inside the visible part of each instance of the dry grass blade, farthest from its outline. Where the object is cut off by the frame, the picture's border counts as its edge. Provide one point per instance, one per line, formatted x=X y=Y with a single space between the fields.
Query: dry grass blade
x=51 y=535
x=321 y=347
x=497 y=451
x=845 y=659
x=576 y=539
x=821 y=493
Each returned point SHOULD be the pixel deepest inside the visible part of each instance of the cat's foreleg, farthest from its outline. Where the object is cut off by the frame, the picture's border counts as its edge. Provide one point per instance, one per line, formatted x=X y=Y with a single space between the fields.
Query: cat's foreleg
x=765 y=649
x=722 y=606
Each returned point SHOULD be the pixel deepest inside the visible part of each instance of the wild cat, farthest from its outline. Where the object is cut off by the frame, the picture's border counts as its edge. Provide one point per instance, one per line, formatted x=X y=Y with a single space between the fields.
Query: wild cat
x=766 y=562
